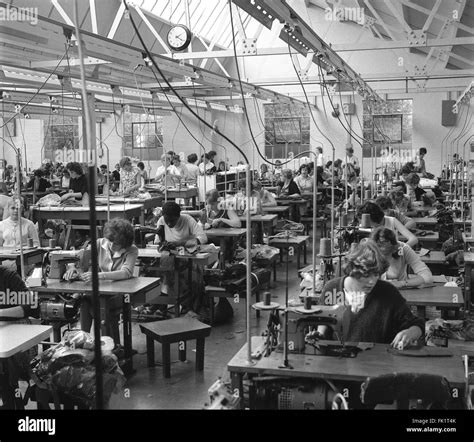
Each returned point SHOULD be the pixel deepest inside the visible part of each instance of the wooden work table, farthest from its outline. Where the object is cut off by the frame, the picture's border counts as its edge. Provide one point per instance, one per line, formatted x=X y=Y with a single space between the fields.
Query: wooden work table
x=373 y=362
x=107 y=288
x=14 y=339
x=445 y=298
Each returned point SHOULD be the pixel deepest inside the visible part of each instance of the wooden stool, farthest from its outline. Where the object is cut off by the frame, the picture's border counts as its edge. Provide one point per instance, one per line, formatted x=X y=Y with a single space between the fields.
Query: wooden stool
x=292 y=241
x=175 y=330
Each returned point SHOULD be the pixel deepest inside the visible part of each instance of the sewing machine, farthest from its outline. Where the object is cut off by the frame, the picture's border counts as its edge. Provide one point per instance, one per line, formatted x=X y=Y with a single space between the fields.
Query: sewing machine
x=59 y=259
x=302 y=322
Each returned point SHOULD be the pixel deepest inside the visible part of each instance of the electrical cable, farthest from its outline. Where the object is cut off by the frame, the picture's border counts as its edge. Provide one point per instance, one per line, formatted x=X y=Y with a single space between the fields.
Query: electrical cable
x=242 y=91
x=37 y=92
x=152 y=60
x=322 y=90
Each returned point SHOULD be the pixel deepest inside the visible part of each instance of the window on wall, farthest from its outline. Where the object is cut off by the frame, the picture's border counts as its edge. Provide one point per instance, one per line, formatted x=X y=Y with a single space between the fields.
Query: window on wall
x=61 y=133
x=287 y=130
x=387 y=124
x=143 y=136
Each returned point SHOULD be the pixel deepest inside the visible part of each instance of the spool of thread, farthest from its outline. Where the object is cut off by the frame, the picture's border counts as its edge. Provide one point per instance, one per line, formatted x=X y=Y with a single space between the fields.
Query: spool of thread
x=365 y=222
x=52 y=243
x=107 y=344
x=267 y=298
x=343 y=220
x=30 y=242
x=325 y=247
x=307 y=302
x=367 y=194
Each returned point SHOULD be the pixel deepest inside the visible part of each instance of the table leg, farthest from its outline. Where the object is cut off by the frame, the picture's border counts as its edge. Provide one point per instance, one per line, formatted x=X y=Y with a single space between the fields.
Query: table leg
x=421 y=311
x=223 y=246
x=8 y=392
x=467 y=285
x=182 y=351
x=150 y=351
x=298 y=258
x=200 y=354
x=104 y=316
x=305 y=250
x=127 y=334
x=166 y=359
x=142 y=216
x=236 y=380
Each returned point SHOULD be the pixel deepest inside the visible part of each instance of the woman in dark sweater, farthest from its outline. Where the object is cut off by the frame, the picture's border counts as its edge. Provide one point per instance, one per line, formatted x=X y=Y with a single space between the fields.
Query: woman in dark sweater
x=288 y=187
x=379 y=313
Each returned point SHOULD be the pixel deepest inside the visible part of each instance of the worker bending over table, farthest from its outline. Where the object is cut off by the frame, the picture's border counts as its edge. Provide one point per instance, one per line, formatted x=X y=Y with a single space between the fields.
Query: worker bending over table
x=378 y=219
x=179 y=230
x=400 y=256
x=379 y=313
x=116 y=259
x=219 y=211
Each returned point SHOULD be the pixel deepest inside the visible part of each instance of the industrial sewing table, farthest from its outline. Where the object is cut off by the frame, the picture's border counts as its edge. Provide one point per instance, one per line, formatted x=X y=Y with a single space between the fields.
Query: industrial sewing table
x=132 y=287
x=146 y=203
x=173 y=193
x=283 y=211
x=444 y=298
x=126 y=211
x=267 y=220
x=14 y=339
x=223 y=235
x=199 y=258
x=373 y=362
x=31 y=255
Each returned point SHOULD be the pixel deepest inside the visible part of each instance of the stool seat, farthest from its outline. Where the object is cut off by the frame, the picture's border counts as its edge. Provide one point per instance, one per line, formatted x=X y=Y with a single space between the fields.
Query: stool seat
x=175 y=330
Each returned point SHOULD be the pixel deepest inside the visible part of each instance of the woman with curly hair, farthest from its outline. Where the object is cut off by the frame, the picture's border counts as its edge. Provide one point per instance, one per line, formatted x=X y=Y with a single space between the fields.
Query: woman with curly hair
x=116 y=258
x=379 y=313
x=400 y=256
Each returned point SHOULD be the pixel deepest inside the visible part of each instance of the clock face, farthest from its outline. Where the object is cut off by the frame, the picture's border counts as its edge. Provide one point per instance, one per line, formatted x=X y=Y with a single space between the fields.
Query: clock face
x=179 y=37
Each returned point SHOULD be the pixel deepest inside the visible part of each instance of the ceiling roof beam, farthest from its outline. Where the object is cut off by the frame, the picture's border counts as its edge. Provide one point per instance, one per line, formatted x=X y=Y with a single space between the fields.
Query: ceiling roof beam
x=152 y=29
x=379 y=20
x=398 y=15
x=342 y=47
x=116 y=23
x=427 y=11
x=431 y=16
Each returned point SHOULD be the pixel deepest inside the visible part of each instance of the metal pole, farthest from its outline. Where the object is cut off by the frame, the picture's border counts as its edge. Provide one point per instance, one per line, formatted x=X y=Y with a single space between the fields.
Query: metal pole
x=315 y=215
x=19 y=206
x=92 y=186
x=249 y=268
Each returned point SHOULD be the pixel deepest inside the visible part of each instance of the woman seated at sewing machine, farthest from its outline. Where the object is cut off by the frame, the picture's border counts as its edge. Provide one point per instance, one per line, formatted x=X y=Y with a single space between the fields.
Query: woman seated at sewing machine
x=116 y=259
x=386 y=205
x=10 y=227
x=78 y=185
x=379 y=219
x=400 y=256
x=220 y=212
x=287 y=187
x=379 y=313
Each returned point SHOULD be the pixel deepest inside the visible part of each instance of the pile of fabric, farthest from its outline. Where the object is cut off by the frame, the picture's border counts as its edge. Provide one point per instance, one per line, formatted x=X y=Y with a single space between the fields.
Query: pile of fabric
x=68 y=368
